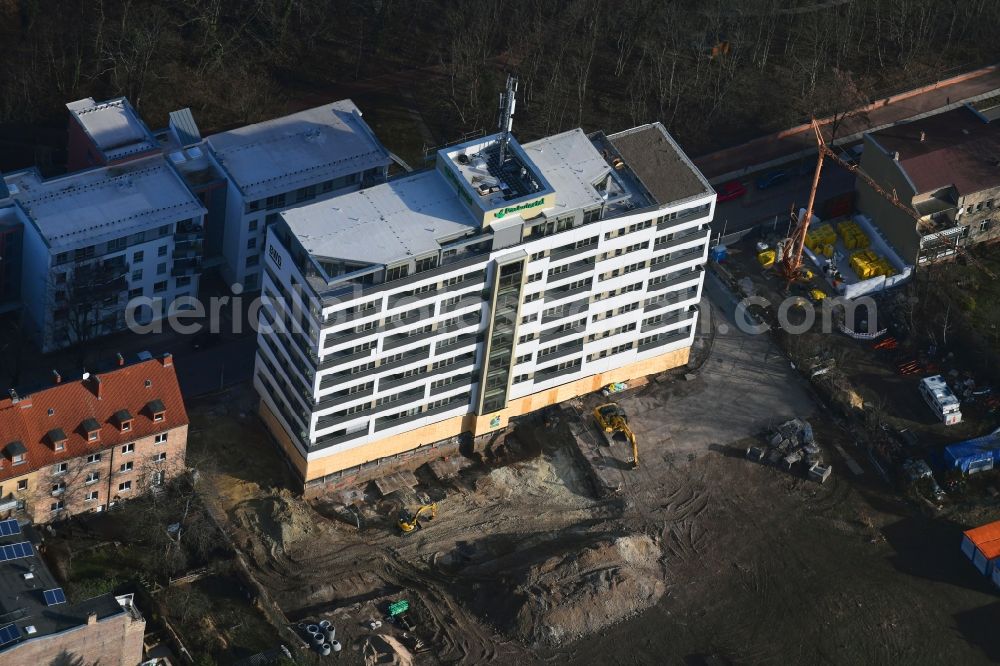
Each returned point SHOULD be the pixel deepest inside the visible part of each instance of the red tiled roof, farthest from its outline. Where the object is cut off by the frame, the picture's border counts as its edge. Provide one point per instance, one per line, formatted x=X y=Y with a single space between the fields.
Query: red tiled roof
x=72 y=403
x=958 y=149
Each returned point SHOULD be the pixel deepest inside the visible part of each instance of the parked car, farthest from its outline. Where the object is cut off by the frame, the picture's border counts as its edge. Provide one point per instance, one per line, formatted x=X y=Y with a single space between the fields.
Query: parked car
x=734 y=189
x=771 y=179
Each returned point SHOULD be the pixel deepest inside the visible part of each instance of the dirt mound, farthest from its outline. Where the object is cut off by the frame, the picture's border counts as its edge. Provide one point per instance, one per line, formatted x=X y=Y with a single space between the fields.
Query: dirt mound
x=572 y=594
x=279 y=519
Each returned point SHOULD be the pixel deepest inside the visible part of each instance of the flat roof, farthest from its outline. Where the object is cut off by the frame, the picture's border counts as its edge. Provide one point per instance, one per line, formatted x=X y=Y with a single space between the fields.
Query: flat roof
x=413 y=215
x=94 y=206
x=958 y=148
x=490 y=184
x=572 y=166
x=660 y=164
x=301 y=149
x=22 y=600
x=114 y=127
x=390 y=222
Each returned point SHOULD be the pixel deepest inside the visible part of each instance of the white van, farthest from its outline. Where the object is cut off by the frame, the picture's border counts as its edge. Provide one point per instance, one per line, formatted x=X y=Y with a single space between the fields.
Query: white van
x=939 y=398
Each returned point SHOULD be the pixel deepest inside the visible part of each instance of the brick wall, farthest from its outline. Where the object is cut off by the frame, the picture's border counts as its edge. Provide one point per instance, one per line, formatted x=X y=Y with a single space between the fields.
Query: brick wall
x=136 y=465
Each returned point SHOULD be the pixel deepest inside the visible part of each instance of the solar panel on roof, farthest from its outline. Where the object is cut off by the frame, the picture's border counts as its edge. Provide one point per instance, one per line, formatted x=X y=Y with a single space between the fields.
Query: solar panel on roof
x=8 y=527
x=9 y=634
x=16 y=550
x=54 y=596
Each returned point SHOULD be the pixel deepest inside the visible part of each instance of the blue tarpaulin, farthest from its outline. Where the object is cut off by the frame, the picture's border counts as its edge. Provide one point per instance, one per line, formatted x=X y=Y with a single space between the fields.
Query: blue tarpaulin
x=974 y=455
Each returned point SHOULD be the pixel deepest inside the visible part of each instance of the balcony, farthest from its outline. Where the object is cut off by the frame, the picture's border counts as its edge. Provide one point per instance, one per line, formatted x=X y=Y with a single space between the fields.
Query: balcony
x=685 y=216
x=680 y=239
x=559 y=351
x=573 y=269
x=332 y=400
x=571 y=250
x=188 y=250
x=672 y=299
x=665 y=339
x=465 y=301
x=385 y=422
x=679 y=278
x=333 y=439
x=570 y=309
x=401 y=339
x=558 y=294
x=411 y=357
x=555 y=333
x=555 y=371
x=182 y=267
x=460 y=382
x=333 y=360
x=694 y=254
x=467 y=340
x=670 y=320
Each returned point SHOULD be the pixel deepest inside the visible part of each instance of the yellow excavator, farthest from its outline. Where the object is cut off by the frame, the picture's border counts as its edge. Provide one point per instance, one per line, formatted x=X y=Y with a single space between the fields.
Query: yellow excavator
x=410 y=520
x=612 y=418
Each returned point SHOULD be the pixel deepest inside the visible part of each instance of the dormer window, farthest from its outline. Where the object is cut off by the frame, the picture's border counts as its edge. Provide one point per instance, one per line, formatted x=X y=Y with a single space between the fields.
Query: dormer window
x=57 y=439
x=124 y=420
x=156 y=410
x=93 y=430
x=17 y=452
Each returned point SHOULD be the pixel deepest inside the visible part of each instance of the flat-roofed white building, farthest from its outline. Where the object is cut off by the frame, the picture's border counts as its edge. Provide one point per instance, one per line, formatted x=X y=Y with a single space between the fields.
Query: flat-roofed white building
x=95 y=239
x=450 y=300
x=285 y=162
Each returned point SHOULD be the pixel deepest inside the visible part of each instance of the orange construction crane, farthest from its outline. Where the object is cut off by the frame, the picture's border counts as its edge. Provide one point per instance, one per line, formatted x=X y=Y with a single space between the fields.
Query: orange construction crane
x=791 y=260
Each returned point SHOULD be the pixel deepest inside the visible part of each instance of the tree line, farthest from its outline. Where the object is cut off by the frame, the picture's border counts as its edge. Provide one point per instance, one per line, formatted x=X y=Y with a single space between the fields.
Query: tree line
x=714 y=71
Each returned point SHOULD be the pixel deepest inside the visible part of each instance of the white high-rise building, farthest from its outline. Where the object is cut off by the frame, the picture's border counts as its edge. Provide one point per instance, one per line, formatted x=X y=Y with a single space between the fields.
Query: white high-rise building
x=450 y=300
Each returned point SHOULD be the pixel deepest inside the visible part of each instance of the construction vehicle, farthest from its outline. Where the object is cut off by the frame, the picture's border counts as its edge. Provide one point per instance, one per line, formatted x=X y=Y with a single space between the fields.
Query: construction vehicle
x=611 y=418
x=410 y=520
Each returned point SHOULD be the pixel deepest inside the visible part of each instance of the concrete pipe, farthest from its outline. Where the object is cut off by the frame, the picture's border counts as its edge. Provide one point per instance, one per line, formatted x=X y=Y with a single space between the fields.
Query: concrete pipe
x=319 y=639
x=335 y=645
x=313 y=628
x=324 y=649
x=324 y=624
x=330 y=633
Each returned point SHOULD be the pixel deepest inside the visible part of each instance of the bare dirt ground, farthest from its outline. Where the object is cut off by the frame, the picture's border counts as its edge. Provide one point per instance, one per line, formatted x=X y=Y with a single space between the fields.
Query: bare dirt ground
x=701 y=555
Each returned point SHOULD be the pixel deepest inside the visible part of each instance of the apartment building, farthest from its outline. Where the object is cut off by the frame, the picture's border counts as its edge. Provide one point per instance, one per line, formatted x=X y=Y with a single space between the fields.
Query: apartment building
x=501 y=280
x=82 y=445
x=290 y=161
x=12 y=222
x=946 y=167
x=41 y=625
x=95 y=239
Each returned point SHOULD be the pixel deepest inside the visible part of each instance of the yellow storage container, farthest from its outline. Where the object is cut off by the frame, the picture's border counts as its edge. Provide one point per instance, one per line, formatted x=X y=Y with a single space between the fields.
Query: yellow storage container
x=766 y=258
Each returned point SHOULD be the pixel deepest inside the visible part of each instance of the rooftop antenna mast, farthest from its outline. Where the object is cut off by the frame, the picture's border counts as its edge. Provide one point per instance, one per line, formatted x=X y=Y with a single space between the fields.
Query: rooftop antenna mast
x=508 y=99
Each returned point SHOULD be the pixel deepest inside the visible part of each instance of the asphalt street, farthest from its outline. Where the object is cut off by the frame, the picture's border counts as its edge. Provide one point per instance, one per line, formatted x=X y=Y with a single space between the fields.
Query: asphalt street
x=773 y=204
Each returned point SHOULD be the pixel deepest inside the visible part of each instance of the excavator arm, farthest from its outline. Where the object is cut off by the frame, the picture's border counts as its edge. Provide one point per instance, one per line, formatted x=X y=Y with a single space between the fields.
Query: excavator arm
x=410 y=520
x=611 y=419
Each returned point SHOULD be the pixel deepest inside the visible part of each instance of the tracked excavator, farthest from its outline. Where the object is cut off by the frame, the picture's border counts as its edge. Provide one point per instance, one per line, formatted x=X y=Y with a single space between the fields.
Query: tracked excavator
x=409 y=521
x=612 y=419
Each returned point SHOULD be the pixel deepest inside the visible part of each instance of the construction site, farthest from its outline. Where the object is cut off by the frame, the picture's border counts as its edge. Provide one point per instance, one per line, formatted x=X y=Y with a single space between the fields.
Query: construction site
x=558 y=542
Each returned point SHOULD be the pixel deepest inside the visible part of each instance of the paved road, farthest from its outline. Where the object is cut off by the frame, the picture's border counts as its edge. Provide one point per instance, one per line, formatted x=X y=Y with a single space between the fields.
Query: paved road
x=905 y=106
x=773 y=204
